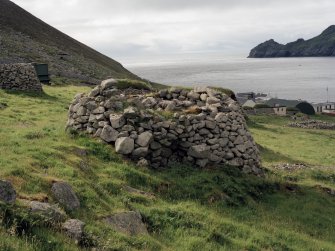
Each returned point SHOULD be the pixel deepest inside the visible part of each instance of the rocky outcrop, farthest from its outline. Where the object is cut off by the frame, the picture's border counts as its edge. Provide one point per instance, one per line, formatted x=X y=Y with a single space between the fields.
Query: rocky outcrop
x=320 y=46
x=127 y=222
x=7 y=192
x=21 y=77
x=202 y=126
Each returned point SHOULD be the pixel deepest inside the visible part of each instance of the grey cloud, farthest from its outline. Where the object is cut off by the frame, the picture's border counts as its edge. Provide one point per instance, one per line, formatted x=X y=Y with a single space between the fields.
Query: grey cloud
x=147 y=27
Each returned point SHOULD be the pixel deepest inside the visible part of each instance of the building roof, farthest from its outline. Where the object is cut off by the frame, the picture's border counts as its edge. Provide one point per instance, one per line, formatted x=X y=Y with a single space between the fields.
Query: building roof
x=284 y=102
x=249 y=103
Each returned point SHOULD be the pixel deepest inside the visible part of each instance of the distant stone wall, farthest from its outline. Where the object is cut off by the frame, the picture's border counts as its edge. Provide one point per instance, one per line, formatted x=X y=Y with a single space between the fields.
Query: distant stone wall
x=202 y=127
x=20 y=77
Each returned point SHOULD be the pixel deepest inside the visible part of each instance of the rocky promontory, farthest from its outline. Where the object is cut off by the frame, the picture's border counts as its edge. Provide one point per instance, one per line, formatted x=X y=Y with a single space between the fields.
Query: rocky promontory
x=319 y=46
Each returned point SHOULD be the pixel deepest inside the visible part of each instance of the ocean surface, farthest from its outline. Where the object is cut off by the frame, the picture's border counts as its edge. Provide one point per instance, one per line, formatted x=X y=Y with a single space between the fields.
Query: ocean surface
x=289 y=78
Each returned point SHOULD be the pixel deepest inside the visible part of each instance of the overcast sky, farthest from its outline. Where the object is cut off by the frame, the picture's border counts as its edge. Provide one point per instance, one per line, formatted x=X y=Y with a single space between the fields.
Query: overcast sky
x=133 y=28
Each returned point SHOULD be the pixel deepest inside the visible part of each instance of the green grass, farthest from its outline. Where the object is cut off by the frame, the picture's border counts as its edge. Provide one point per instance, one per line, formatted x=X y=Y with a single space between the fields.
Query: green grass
x=216 y=209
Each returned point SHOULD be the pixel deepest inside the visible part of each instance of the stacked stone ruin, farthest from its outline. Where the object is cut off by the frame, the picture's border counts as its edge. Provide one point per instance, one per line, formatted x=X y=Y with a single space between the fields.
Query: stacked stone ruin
x=20 y=77
x=203 y=127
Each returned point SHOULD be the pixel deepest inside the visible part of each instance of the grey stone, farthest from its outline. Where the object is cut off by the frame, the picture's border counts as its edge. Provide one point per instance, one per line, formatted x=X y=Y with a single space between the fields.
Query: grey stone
x=108 y=83
x=128 y=222
x=99 y=110
x=109 y=134
x=213 y=141
x=144 y=139
x=7 y=192
x=202 y=162
x=95 y=92
x=212 y=100
x=130 y=112
x=143 y=162
x=221 y=117
x=46 y=211
x=229 y=156
x=238 y=162
x=65 y=195
x=170 y=107
x=140 y=152
x=81 y=111
x=117 y=120
x=124 y=145
x=210 y=124
x=203 y=97
x=199 y=151
x=241 y=148
x=155 y=145
x=193 y=95
x=74 y=229
x=239 y=140
x=200 y=89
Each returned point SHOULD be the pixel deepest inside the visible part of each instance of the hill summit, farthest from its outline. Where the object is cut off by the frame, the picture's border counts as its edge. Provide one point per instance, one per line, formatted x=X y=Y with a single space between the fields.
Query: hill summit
x=319 y=46
x=25 y=38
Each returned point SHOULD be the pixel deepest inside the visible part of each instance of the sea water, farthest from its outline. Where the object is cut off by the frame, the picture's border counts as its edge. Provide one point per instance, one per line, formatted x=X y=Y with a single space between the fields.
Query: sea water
x=311 y=79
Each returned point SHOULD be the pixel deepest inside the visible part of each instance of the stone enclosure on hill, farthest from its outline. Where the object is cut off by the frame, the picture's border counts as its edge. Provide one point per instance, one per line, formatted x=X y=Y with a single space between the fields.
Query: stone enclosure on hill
x=203 y=127
x=20 y=77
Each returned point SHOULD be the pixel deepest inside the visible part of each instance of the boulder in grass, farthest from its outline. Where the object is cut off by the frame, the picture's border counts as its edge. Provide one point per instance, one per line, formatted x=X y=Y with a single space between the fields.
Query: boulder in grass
x=50 y=213
x=7 y=192
x=65 y=195
x=128 y=222
x=74 y=229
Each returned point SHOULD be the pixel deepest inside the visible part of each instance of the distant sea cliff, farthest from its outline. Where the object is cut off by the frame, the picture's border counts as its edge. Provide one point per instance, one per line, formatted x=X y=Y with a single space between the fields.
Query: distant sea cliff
x=319 y=46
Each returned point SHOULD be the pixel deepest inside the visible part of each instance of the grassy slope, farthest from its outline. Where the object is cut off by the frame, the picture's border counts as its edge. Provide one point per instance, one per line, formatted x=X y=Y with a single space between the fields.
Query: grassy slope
x=193 y=209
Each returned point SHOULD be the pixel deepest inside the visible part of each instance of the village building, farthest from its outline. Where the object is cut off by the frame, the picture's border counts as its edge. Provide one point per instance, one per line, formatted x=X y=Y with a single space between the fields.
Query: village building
x=302 y=106
x=324 y=107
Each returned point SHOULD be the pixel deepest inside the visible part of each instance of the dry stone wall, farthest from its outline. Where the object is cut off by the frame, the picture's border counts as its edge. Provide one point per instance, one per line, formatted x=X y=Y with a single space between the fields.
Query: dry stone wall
x=203 y=126
x=20 y=77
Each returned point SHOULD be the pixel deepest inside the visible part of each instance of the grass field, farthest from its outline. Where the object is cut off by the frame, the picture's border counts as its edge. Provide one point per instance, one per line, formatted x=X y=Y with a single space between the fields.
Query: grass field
x=192 y=209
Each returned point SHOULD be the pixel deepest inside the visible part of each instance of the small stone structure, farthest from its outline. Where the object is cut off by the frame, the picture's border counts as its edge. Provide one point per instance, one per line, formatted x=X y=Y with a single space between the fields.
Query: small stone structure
x=21 y=77
x=203 y=126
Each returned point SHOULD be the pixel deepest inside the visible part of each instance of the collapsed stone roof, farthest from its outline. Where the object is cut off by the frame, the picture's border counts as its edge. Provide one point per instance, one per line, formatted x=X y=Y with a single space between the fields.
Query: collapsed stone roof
x=202 y=126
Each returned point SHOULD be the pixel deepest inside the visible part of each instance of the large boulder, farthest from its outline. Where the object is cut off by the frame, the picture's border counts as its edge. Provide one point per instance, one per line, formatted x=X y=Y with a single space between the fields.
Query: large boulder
x=65 y=195
x=124 y=145
x=128 y=222
x=7 y=192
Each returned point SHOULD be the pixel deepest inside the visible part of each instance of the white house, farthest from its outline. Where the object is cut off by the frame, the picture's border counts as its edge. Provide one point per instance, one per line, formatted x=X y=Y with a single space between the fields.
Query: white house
x=322 y=107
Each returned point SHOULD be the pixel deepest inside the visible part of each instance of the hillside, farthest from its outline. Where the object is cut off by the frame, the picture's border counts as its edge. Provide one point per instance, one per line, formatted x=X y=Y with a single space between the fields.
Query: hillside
x=319 y=46
x=25 y=38
x=183 y=208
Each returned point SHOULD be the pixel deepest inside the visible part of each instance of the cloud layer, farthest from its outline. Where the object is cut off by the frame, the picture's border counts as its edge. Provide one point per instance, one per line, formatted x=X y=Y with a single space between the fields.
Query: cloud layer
x=154 y=27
